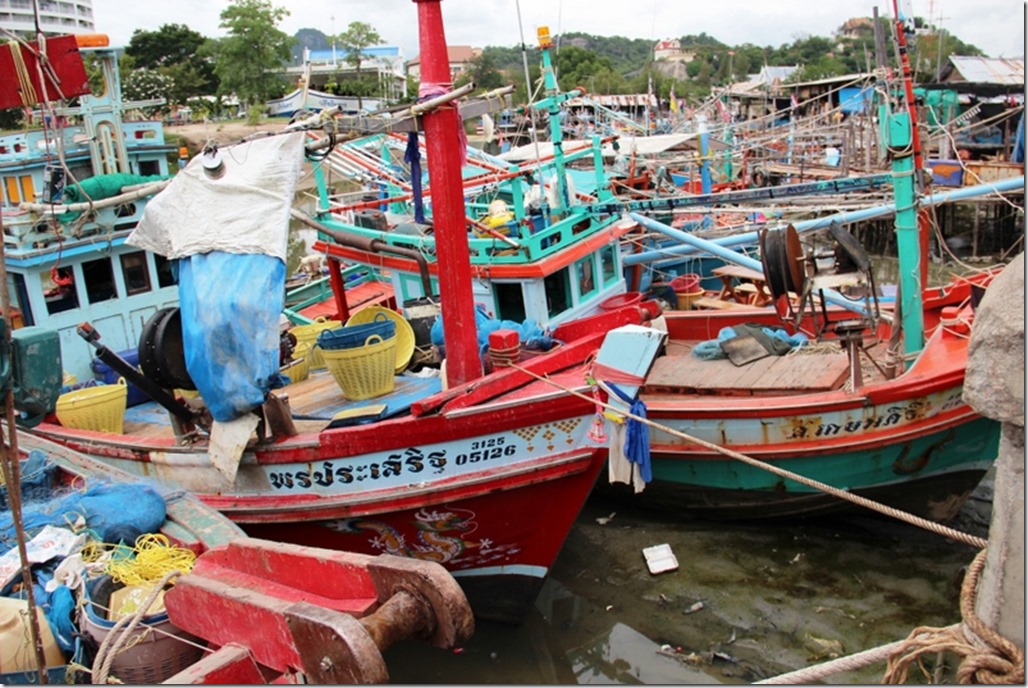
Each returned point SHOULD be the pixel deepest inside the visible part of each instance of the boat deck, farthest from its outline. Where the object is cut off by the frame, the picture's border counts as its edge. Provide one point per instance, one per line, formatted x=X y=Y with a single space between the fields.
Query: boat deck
x=314 y=403
x=679 y=372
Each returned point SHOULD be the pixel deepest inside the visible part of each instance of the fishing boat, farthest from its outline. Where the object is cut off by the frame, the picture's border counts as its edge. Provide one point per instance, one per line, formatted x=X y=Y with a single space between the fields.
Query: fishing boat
x=74 y=189
x=759 y=413
x=482 y=473
x=209 y=582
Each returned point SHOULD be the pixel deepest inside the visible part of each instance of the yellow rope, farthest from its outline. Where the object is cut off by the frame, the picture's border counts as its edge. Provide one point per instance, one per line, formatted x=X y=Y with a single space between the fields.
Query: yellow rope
x=154 y=558
x=25 y=87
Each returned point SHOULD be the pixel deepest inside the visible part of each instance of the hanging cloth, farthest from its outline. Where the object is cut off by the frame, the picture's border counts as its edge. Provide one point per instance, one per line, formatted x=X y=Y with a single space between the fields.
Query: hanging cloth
x=637 y=434
x=412 y=156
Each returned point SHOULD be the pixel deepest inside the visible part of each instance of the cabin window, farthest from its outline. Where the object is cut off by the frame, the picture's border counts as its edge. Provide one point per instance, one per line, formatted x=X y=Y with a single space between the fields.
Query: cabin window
x=586 y=277
x=19 y=189
x=608 y=266
x=510 y=301
x=167 y=272
x=558 y=292
x=136 y=273
x=20 y=309
x=149 y=168
x=99 y=278
x=59 y=290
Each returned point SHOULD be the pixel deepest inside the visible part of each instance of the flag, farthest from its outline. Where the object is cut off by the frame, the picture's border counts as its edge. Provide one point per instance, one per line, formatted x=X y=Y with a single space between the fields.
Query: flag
x=793 y=103
x=673 y=104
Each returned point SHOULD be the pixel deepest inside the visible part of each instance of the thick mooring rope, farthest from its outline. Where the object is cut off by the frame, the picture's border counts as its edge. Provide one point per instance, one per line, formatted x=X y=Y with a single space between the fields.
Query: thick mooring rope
x=939 y=529
x=986 y=656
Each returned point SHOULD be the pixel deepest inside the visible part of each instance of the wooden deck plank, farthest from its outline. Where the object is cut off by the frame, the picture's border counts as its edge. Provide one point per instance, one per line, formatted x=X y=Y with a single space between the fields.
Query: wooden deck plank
x=796 y=373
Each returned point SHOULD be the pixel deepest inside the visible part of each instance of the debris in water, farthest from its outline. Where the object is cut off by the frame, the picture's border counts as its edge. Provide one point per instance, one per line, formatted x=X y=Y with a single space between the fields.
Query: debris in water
x=697 y=606
x=820 y=648
x=660 y=558
x=604 y=520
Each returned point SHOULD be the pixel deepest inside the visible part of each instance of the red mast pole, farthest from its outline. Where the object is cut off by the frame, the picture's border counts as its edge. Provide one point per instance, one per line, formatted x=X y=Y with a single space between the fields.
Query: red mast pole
x=444 y=175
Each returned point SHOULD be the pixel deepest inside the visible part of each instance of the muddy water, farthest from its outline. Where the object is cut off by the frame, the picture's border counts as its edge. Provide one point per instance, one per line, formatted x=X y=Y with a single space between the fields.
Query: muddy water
x=748 y=601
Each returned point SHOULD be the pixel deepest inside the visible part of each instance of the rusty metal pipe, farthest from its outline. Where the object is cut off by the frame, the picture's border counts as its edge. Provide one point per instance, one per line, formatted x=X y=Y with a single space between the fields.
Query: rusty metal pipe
x=404 y=615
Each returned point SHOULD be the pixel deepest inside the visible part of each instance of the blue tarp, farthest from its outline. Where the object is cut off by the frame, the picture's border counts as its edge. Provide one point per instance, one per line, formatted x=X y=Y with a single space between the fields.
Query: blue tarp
x=230 y=313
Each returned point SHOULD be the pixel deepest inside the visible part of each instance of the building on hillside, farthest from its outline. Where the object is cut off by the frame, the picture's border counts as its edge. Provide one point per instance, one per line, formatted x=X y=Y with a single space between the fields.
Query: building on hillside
x=460 y=57
x=55 y=18
x=671 y=50
x=857 y=27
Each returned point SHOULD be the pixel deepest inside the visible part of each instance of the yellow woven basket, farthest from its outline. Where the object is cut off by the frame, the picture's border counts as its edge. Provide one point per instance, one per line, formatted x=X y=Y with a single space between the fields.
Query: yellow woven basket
x=365 y=371
x=308 y=334
x=404 y=332
x=94 y=408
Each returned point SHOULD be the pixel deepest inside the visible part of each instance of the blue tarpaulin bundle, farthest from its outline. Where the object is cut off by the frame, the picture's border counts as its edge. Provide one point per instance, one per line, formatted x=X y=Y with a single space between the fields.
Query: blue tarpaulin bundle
x=230 y=311
x=530 y=334
x=116 y=512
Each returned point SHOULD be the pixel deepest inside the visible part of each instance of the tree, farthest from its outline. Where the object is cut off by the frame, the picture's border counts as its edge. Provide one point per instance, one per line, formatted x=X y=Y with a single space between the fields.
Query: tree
x=354 y=40
x=147 y=84
x=173 y=51
x=248 y=59
x=483 y=73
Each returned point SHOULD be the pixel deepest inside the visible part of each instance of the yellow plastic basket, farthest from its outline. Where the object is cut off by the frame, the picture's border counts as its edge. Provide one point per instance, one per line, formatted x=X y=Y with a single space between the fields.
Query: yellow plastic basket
x=308 y=334
x=94 y=408
x=365 y=371
x=404 y=331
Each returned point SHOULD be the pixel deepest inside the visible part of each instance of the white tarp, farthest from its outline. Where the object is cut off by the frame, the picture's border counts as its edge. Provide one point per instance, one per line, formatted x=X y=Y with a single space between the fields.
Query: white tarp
x=246 y=210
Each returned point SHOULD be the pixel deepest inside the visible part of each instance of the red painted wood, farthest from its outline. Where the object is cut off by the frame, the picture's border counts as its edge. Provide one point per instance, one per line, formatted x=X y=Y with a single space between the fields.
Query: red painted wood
x=444 y=174
x=63 y=55
x=335 y=278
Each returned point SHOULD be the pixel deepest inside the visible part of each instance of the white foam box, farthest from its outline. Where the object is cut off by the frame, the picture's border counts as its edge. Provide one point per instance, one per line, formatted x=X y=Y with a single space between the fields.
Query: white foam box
x=660 y=559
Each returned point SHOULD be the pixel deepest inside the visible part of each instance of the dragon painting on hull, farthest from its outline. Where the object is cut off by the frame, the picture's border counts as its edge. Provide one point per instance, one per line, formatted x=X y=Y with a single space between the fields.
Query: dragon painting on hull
x=431 y=541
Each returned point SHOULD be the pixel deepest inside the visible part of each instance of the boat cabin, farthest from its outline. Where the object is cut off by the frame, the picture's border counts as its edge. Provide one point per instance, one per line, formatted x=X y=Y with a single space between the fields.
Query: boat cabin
x=72 y=192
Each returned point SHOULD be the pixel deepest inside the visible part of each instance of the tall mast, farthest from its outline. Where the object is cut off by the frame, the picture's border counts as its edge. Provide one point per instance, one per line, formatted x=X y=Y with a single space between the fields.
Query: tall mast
x=444 y=175
x=915 y=138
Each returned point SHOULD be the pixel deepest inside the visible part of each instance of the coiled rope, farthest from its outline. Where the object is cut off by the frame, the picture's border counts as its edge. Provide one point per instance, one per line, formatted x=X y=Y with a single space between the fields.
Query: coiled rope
x=986 y=656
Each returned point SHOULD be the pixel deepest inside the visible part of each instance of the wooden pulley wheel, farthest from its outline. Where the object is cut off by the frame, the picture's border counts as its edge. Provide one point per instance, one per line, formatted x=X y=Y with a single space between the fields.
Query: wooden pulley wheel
x=781 y=256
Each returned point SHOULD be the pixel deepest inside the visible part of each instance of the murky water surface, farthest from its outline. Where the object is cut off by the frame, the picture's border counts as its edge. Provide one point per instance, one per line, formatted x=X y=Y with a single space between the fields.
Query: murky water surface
x=748 y=601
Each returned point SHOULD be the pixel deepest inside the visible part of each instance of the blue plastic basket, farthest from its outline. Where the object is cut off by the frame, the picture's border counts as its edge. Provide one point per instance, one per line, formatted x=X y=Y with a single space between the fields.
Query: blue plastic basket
x=352 y=336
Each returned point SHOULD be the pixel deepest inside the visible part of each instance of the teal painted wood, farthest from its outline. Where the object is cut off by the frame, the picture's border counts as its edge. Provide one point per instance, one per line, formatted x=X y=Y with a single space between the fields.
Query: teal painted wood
x=971 y=446
x=631 y=350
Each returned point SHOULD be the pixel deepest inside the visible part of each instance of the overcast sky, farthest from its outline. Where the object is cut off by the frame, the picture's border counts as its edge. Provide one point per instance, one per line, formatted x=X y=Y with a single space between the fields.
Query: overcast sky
x=995 y=26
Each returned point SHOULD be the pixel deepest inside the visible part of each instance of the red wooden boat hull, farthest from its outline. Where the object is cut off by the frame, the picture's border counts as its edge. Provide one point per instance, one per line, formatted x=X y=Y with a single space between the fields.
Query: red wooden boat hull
x=485 y=479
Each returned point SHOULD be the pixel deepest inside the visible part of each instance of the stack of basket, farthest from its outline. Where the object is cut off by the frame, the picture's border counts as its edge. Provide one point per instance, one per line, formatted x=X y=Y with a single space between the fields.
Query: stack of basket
x=361 y=358
x=306 y=335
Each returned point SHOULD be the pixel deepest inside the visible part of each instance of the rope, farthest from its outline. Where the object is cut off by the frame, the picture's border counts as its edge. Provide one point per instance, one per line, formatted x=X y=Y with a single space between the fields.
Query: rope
x=121 y=632
x=149 y=560
x=986 y=656
x=819 y=672
x=945 y=531
x=29 y=97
